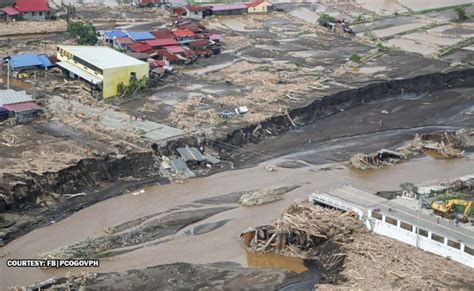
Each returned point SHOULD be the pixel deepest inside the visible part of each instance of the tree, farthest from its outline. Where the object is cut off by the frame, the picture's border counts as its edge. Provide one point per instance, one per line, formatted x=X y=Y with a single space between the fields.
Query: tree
x=355 y=58
x=461 y=13
x=409 y=187
x=83 y=32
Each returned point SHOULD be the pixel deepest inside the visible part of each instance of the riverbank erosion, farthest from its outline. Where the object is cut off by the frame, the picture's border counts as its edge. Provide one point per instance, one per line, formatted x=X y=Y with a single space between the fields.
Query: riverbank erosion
x=50 y=196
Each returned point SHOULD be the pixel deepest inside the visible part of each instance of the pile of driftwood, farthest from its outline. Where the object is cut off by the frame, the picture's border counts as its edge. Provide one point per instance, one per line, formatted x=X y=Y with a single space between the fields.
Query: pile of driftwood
x=305 y=231
x=439 y=146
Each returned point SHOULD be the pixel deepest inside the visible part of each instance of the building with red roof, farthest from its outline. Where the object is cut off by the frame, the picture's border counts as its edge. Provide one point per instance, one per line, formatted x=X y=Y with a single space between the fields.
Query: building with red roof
x=159 y=43
x=28 y=10
x=161 y=34
x=183 y=34
x=140 y=47
x=259 y=6
x=122 y=43
x=164 y=55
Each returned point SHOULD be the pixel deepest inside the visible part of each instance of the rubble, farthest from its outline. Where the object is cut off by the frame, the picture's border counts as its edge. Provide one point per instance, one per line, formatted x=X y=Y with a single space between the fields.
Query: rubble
x=439 y=146
x=350 y=255
x=265 y=196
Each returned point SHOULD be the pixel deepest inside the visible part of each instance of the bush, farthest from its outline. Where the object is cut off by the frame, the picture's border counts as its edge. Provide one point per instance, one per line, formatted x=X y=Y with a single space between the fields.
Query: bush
x=325 y=18
x=461 y=13
x=355 y=58
x=83 y=32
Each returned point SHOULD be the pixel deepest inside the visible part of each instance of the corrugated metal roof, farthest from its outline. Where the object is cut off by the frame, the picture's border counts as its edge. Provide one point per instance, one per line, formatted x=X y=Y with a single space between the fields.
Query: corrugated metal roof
x=101 y=56
x=11 y=97
x=80 y=72
x=161 y=42
x=228 y=7
x=10 y=11
x=139 y=47
x=191 y=154
x=114 y=34
x=25 y=106
x=175 y=49
x=180 y=167
x=31 y=5
x=24 y=61
x=140 y=35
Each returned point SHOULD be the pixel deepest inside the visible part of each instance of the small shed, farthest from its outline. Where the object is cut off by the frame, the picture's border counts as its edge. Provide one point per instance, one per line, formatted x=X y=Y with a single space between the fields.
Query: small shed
x=19 y=105
x=122 y=43
x=109 y=36
x=28 y=61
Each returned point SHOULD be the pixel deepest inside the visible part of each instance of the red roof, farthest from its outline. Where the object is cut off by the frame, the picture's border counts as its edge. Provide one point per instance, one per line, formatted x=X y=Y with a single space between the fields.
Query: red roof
x=169 y=56
x=255 y=3
x=180 y=11
x=124 y=40
x=183 y=33
x=31 y=5
x=156 y=63
x=161 y=42
x=162 y=34
x=10 y=11
x=199 y=43
x=140 y=47
x=175 y=49
x=196 y=8
x=24 y=106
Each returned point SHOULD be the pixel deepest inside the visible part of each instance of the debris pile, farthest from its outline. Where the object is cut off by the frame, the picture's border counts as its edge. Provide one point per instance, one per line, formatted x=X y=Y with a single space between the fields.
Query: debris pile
x=379 y=159
x=349 y=254
x=265 y=196
x=307 y=232
x=439 y=146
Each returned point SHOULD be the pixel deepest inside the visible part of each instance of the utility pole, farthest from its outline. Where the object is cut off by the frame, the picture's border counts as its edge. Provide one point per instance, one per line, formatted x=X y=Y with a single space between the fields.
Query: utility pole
x=34 y=85
x=418 y=221
x=8 y=75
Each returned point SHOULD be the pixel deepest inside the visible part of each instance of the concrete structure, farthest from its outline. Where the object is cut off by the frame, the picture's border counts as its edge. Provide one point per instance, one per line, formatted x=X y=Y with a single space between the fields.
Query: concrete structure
x=259 y=6
x=102 y=67
x=383 y=217
x=28 y=10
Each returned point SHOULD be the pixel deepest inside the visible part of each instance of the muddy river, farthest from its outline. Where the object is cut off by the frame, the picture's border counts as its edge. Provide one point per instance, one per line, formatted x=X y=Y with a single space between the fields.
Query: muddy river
x=220 y=244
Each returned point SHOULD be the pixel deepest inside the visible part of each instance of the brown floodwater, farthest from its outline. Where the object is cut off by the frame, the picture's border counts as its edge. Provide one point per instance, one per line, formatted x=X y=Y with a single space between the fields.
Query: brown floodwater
x=274 y=261
x=218 y=245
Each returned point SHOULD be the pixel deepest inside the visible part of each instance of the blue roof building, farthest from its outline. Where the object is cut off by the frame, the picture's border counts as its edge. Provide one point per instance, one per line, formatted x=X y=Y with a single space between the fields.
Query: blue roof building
x=110 y=35
x=26 y=61
x=140 y=35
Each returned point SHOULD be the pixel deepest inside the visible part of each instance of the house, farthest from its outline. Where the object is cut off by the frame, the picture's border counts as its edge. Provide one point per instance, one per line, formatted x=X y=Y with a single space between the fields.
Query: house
x=122 y=43
x=164 y=55
x=162 y=34
x=259 y=6
x=18 y=104
x=140 y=35
x=183 y=34
x=149 y=3
x=22 y=62
x=35 y=10
x=140 y=47
x=104 y=68
x=229 y=9
x=197 y=12
x=109 y=36
x=160 y=43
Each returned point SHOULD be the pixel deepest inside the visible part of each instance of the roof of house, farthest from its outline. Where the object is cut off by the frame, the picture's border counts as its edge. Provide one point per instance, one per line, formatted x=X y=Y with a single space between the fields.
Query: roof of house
x=228 y=7
x=179 y=10
x=199 y=43
x=163 y=34
x=175 y=49
x=215 y=36
x=183 y=33
x=161 y=42
x=11 y=97
x=255 y=3
x=29 y=60
x=31 y=5
x=140 y=35
x=25 y=106
x=124 y=40
x=140 y=47
x=162 y=52
x=195 y=8
x=101 y=56
x=114 y=34
x=10 y=11
x=140 y=56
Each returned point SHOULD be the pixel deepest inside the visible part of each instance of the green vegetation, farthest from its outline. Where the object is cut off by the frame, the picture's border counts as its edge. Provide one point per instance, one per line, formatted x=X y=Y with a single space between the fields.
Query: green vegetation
x=83 y=32
x=461 y=12
x=326 y=18
x=135 y=86
x=355 y=58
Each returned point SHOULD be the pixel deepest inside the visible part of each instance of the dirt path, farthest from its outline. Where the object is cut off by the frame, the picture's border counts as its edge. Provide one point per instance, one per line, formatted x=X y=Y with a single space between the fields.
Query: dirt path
x=220 y=244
